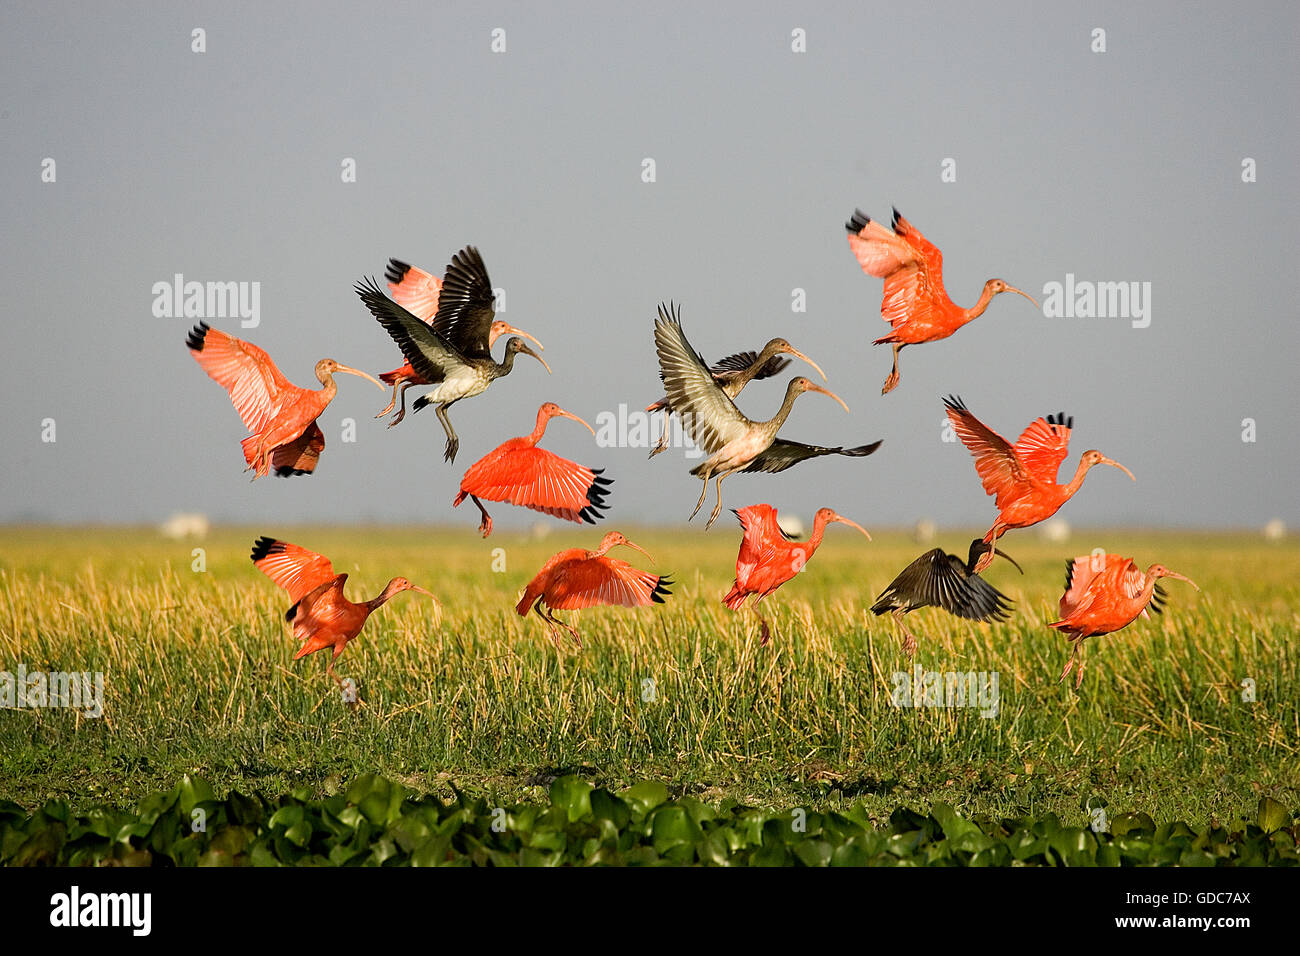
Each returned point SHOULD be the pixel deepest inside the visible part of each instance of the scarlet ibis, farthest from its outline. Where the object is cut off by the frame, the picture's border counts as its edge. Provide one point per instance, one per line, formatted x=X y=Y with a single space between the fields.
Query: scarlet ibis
x=768 y=557
x=417 y=291
x=734 y=372
x=1022 y=477
x=937 y=579
x=321 y=616
x=1106 y=593
x=576 y=578
x=281 y=416
x=519 y=472
x=456 y=361
x=733 y=442
x=914 y=302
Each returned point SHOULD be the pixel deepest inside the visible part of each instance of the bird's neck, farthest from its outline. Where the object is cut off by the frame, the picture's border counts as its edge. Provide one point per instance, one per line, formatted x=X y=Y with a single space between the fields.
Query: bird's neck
x=815 y=539
x=507 y=363
x=389 y=590
x=976 y=310
x=329 y=387
x=787 y=406
x=539 y=429
x=749 y=374
x=1077 y=481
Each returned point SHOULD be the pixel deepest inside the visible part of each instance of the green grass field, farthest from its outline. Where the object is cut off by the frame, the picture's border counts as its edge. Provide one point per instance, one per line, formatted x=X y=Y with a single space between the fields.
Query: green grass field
x=199 y=677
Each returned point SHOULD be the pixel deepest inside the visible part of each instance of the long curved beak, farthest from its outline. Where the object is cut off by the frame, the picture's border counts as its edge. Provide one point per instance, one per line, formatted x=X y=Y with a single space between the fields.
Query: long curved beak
x=999 y=551
x=563 y=413
x=416 y=587
x=353 y=371
x=797 y=354
x=1180 y=577
x=527 y=351
x=437 y=605
x=1107 y=461
x=510 y=329
x=827 y=391
x=852 y=524
x=1012 y=288
x=637 y=547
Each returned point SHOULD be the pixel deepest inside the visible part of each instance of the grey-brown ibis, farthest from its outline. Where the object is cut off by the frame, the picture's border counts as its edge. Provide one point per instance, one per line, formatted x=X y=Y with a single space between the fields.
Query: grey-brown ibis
x=418 y=292
x=734 y=372
x=456 y=361
x=733 y=442
x=938 y=579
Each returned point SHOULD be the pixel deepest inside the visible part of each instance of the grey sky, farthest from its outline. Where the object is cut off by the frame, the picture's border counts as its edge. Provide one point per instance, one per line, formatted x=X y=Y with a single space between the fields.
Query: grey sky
x=225 y=165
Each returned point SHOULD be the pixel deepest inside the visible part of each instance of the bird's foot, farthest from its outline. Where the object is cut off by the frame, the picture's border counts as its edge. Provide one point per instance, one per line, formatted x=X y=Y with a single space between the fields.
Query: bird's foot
x=388 y=408
x=396 y=418
x=573 y=633
x=485 y=526
x=909 y=643
x=891 y=383
x=766 y=633
x=453 y=446
x=984 y=561
x=713 y=517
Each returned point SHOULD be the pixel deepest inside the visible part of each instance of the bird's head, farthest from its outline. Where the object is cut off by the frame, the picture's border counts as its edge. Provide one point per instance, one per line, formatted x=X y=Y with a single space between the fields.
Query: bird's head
x=500 y=328
x=516 y=344
x=995 y=286
x=799 y=385
x=1093 y=457
x=616 y=538
x=979 y=547
x=1160 y=571
x=550 y=410
x=827 y=515
x=398 y=585
x=782 y=347
x=327 y=367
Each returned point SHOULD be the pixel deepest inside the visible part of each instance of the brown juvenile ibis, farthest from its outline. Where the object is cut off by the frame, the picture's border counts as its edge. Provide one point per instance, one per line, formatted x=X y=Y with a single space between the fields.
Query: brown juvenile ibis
x=734 y=372
x=938 y=579
x=733 y=442
x=418 y=292
x=456 y=362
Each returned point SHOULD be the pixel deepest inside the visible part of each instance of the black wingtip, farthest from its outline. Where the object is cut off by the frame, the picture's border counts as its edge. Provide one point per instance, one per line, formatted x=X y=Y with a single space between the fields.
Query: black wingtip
x=862 y=451
x=857 y=222
x=263 y=546
x=661 y=589
x=396 y=270
x=197 y=336
x=954 y=403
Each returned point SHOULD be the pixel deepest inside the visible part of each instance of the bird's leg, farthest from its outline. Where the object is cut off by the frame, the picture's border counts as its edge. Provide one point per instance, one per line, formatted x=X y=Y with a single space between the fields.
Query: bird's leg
x=703 y=491
x=892 y=381
x=663 y=439
x=392 y=402
x=401 y=411
x=986 y=558
x=1078 y=671
x=485 y=526
x=908 y=638
x=764 y=630
x=1070 y=664
x=550 y=625
x=717 y=509
x=573 y=631
x=453 y=443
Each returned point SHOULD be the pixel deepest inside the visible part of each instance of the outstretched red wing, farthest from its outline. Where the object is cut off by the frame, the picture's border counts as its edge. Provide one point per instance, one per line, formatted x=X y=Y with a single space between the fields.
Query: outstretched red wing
x=245 y=371
x=1042 y=447
x=295 y=569
x=995 y=460
x=533 y=478
x=588 y=582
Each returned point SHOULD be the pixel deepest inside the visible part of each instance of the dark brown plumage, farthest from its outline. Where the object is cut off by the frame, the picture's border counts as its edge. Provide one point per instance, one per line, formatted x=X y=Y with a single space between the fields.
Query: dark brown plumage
x=938 y=579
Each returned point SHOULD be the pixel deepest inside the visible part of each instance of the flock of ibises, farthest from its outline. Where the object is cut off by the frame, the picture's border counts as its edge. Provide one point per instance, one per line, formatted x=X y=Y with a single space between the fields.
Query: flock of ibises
x=446 y=329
